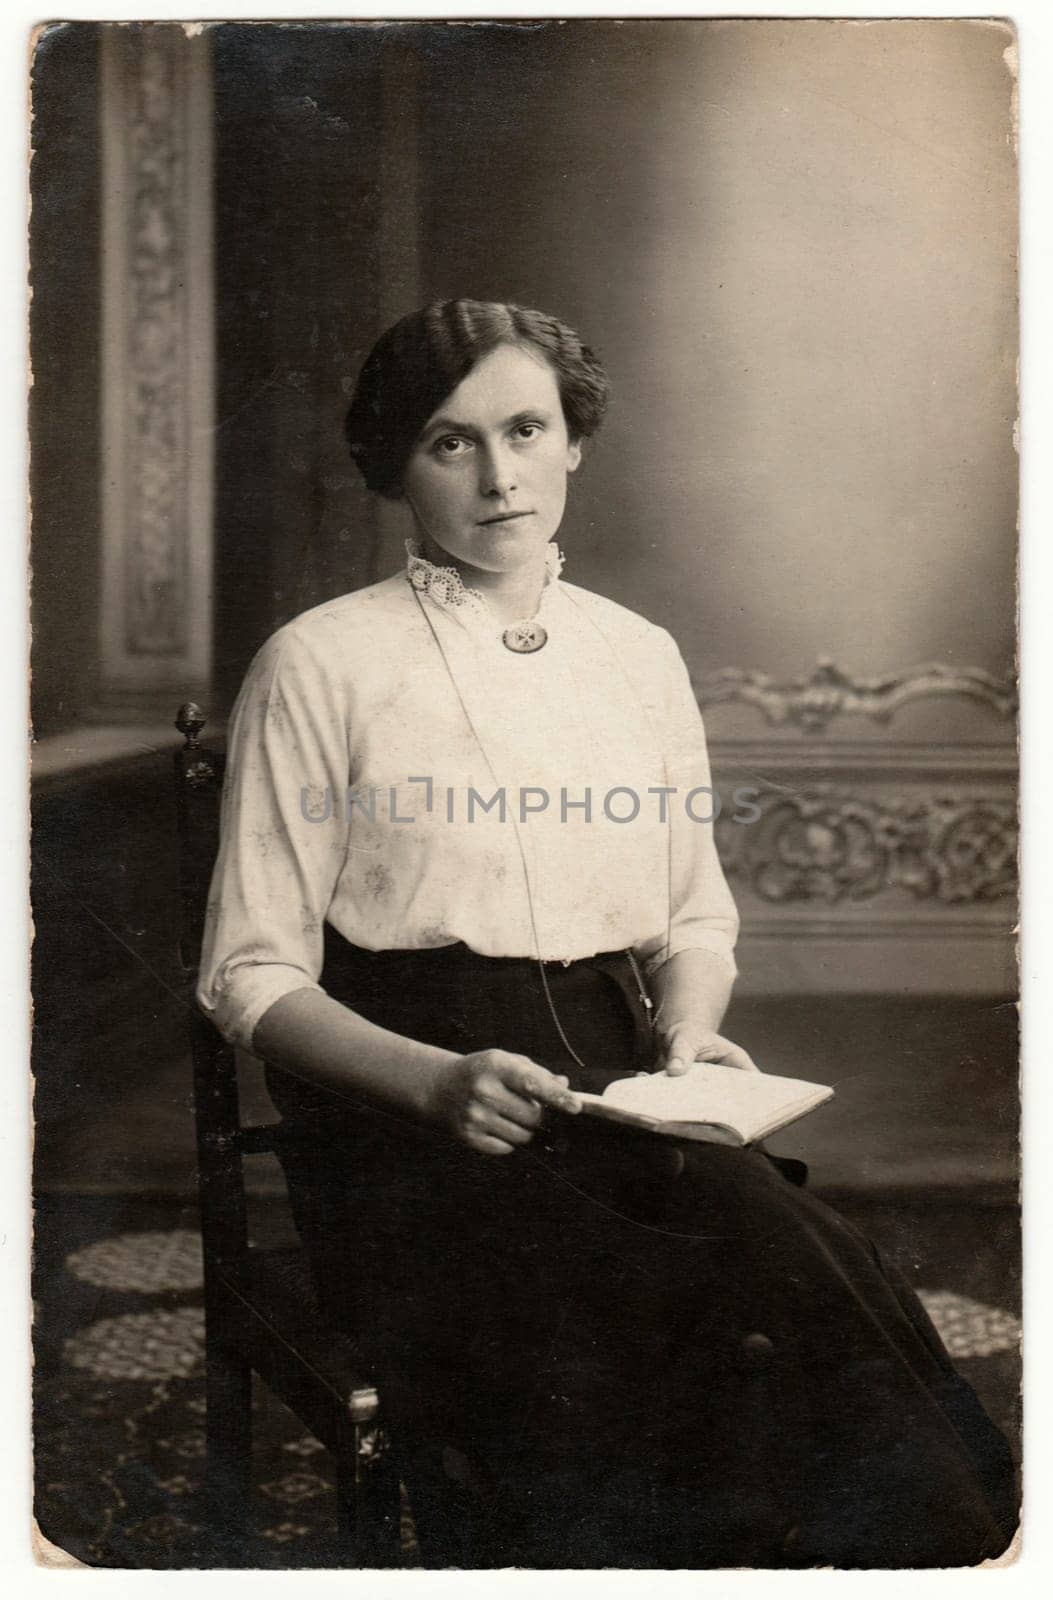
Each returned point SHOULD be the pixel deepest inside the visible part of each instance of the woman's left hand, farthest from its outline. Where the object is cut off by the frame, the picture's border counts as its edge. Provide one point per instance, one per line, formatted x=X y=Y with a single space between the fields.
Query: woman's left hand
x=684 y=1043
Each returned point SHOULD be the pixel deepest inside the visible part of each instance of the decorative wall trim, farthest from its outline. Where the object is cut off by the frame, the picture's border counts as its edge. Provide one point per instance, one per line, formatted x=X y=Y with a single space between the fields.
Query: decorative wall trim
x=812 y=703
x=157 y=369
x=878 y=758
x=829 y=845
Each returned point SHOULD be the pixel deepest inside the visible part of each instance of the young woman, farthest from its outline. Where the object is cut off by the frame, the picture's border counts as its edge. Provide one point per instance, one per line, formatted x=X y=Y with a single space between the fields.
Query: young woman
x=459 y=880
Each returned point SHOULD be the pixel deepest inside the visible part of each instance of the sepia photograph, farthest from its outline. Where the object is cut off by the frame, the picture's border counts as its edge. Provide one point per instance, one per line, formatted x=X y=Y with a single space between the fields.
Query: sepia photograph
x=524 y=523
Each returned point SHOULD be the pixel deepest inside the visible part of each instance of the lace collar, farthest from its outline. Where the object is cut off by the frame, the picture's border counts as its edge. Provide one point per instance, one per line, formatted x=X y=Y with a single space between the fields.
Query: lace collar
x=446 y=587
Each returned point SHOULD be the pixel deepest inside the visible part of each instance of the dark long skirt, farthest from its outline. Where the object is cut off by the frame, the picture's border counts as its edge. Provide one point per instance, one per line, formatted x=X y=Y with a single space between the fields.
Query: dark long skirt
x=609 y=1349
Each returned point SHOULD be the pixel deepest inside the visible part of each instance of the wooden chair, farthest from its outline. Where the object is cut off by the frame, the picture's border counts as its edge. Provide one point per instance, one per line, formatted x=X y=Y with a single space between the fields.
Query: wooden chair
x=261 y=1310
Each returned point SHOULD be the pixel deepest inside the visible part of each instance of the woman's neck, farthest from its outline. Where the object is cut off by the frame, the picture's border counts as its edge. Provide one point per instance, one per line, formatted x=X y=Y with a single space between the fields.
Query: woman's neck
x=512 y=596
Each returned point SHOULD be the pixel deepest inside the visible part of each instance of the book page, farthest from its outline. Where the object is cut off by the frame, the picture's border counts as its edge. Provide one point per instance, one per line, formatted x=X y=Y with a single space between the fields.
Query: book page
x=725 y=1096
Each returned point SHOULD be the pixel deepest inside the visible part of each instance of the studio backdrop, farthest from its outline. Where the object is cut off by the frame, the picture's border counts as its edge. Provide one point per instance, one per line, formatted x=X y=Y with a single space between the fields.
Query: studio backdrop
x=794 y=245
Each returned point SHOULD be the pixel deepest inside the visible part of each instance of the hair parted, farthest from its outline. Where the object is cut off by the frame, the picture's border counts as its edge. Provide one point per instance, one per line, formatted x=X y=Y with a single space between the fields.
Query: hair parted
x=421 y=359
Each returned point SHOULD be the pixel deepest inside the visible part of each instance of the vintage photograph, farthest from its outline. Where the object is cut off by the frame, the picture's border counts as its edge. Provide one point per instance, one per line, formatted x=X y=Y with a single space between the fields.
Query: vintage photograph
x=524 y=794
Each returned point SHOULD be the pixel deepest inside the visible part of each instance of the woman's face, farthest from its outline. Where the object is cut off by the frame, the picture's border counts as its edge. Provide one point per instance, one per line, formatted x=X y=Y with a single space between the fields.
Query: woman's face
x=487 y=478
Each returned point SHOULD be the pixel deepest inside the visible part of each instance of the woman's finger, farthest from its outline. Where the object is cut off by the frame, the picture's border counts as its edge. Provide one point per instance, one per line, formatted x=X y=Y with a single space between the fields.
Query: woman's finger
x=482 y=1120
x=488 y=1146
x=503 y=1128
x=726 y=1054
x=525 y=1078
x=681 y=1048
x=513 y=1107
x=686 y=1045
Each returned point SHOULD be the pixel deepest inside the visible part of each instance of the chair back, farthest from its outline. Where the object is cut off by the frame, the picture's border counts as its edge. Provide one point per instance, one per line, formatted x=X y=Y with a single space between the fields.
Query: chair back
x=261 y=1306
x=222 y=1140
x=199 y=789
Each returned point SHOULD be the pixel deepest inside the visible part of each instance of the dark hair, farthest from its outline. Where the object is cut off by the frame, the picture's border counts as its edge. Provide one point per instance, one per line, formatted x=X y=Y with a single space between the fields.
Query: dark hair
x=418 y=362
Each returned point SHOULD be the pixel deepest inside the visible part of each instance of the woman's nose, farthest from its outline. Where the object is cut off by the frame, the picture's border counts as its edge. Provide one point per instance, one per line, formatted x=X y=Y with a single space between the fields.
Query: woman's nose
x=497 y=471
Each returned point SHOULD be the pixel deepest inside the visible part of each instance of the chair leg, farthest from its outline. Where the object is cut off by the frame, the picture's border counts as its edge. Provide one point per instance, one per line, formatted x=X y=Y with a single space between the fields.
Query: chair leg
x=369 y=1507
x=228 y=1441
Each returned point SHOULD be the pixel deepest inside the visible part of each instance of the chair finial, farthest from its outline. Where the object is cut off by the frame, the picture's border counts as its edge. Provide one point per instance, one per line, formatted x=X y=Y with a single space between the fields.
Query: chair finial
x=190 y=719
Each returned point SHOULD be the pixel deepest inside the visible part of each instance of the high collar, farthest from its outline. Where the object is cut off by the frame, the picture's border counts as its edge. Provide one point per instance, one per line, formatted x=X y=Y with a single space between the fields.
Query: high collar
x=446 y=587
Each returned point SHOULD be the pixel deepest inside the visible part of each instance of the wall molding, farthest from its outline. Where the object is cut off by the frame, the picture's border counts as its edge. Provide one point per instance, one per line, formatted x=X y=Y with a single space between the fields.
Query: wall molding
x=866 y=758
x=812 y=703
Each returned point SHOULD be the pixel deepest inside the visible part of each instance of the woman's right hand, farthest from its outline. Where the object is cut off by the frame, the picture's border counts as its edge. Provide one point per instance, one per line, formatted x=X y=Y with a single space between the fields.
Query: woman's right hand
x=492 y=1101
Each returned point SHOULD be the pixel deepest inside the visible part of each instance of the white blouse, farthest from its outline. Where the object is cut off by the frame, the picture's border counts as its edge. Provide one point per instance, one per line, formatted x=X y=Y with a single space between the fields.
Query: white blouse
x=394 y=769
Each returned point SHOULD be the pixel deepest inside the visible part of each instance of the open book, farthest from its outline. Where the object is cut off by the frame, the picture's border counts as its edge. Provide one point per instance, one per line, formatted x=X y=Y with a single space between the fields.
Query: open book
x=713 y=1104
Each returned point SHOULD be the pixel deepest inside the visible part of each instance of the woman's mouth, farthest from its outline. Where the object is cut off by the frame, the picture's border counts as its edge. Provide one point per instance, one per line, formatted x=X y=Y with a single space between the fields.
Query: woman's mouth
x=504 y=516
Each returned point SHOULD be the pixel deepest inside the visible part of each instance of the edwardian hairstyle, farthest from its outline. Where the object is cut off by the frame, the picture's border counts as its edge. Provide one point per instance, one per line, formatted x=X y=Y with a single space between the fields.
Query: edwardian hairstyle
x=416 y=364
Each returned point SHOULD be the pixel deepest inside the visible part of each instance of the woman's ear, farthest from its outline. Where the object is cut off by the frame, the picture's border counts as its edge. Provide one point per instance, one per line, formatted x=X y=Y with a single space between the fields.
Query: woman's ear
x=574 y=455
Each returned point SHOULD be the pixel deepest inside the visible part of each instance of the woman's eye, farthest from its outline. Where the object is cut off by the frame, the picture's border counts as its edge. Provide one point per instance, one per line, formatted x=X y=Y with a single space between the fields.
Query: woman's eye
x=528 y=430
x=449 y=446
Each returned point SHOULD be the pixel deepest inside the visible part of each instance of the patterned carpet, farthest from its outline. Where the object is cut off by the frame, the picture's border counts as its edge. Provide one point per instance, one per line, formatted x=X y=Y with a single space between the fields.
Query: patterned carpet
x=120 y=1413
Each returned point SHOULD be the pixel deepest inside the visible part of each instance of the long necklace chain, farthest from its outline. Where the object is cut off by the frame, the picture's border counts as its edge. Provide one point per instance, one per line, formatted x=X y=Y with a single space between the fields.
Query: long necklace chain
x=637 y=974
x=515 y=828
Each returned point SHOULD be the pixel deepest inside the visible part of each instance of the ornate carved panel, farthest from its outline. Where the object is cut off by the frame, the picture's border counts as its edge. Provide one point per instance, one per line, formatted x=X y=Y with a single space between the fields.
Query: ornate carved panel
x=828 y=845
x=812 y=703
x=157 y=361
x=156 y=596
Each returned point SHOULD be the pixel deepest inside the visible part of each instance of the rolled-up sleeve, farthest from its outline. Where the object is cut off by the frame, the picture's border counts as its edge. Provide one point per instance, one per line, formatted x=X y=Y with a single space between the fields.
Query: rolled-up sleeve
x=702 y=914
x=282 y=840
